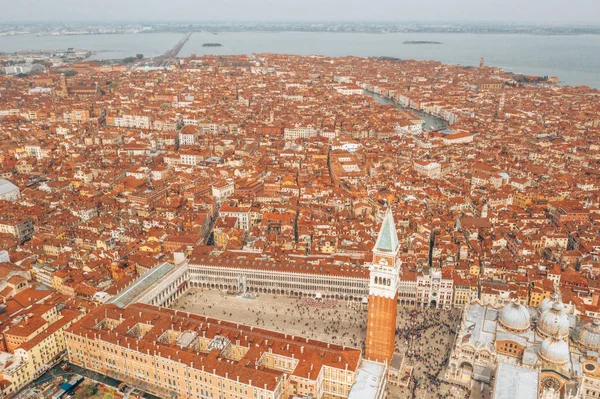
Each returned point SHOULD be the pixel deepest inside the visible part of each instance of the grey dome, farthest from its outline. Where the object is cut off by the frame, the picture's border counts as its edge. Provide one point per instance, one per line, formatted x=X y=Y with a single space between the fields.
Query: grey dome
x=588 y=335
x=547 y=303
x=554 y=322
x=554 y=350
x=514 y=316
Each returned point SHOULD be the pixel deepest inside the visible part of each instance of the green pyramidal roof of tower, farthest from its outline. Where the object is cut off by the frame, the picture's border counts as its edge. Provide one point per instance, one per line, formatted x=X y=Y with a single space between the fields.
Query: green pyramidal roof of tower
x=387 y=241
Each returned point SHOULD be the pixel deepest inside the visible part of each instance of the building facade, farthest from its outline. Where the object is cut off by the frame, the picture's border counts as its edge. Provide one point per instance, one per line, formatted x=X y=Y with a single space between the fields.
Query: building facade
x=180 y=355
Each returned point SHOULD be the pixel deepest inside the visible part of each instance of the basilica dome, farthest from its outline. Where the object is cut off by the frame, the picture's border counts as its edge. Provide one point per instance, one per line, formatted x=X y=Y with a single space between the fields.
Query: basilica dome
x=588 y=335
x=554 y=322
x=514 y=316
x=547 y=303
x=554 y=350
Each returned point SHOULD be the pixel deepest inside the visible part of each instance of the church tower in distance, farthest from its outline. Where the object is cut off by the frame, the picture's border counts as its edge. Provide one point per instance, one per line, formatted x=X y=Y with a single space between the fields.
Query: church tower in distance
x=383 y=293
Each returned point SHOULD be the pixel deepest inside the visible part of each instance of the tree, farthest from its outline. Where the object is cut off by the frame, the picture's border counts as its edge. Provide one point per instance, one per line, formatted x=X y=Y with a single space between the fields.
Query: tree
x=139 y=56
x=70 y=72
x=128 y=60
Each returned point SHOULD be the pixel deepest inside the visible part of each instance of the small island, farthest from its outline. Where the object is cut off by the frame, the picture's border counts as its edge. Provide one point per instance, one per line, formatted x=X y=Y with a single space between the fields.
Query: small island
x=212 y=45
x=421 y=42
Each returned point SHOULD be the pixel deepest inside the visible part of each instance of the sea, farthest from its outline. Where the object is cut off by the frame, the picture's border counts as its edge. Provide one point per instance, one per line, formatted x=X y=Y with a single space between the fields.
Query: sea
x=574 y=59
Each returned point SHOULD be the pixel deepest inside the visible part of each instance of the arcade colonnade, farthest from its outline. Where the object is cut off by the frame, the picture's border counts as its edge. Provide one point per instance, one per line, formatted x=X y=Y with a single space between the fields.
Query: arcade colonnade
x=259 y=281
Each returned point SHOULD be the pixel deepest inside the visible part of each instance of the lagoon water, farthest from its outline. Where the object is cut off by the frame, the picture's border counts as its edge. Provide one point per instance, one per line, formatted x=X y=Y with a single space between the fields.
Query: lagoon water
x=574 y=59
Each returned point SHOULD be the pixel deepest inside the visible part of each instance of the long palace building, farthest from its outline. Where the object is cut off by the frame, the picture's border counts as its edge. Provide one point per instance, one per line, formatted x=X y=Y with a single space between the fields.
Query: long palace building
x=176 y=354
x=243 y=272
x=261 y=276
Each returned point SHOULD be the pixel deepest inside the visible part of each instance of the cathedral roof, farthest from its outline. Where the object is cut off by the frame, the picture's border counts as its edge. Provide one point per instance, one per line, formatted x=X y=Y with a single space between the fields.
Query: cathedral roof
x=554 y=322
x=554 y=350
x=515 y=316
x=547 y=303
x=588 y=335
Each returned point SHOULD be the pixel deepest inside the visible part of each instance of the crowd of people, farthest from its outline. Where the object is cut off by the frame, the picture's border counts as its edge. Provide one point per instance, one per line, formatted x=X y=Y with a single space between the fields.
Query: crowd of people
x=319 y=303
x=424 y=335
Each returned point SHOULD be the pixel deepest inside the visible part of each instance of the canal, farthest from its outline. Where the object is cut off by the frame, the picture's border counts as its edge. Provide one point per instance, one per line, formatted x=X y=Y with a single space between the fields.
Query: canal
x=429 y=122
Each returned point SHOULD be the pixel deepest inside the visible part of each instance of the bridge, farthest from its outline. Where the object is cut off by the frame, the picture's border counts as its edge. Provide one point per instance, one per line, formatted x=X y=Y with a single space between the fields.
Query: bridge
x=172 y=53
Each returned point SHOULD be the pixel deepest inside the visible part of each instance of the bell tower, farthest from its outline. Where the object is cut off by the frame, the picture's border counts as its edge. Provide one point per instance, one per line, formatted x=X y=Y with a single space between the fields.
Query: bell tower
x=383 y=293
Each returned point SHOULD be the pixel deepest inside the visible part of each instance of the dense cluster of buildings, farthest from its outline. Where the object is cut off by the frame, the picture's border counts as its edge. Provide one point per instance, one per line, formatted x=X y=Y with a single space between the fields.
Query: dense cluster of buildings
x=273 y=174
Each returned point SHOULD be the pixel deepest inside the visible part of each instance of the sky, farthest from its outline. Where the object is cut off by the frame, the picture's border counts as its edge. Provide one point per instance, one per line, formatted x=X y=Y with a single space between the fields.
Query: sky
x=543 y=11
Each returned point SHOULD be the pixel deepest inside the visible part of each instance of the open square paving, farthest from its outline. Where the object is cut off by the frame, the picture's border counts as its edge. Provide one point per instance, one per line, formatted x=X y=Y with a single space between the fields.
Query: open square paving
x=424 y=336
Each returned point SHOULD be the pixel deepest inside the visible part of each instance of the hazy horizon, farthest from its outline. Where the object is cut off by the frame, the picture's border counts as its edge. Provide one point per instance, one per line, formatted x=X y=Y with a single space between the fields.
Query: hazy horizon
x=376 y=11
x=292 y=21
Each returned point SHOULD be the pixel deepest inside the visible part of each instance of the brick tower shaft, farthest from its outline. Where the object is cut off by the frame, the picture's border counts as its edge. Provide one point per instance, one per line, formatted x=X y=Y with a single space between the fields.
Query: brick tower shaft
x=383 y=293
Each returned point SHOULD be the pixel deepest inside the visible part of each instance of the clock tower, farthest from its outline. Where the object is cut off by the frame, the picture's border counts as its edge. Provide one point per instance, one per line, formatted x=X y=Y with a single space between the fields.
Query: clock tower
x=383 y=293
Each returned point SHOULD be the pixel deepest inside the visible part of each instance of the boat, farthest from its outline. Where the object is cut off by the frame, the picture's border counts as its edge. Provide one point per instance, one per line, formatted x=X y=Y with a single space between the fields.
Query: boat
x=212 y=45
